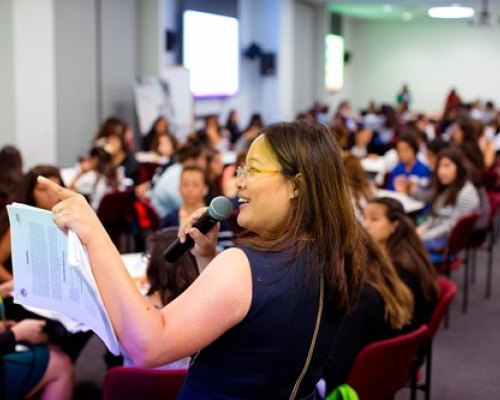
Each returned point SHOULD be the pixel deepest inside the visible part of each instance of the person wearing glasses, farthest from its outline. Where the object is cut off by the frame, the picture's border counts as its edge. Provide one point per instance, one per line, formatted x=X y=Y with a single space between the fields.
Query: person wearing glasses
x=262 y=316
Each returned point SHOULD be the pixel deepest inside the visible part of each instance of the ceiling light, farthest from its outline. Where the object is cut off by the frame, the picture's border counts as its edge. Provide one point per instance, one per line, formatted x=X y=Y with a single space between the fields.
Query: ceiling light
x=453 y=11
x=407 y=16
x=387 y=8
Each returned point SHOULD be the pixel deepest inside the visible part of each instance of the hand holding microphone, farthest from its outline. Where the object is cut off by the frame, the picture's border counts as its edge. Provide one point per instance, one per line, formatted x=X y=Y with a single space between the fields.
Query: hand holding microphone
x=220 y=208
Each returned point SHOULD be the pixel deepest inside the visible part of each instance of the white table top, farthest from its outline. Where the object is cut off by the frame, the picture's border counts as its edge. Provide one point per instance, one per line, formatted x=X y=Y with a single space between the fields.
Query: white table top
x=409 y=204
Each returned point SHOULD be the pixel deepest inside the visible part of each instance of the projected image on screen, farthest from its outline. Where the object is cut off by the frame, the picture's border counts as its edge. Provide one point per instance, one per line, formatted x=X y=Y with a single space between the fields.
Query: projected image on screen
x=210 y=52
x=334 y=63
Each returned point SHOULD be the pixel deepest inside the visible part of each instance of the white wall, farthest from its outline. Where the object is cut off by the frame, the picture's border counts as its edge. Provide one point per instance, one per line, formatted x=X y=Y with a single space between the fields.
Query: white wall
x=432 y=56
x=76 y=78
x=34 y=80
x=7 y=110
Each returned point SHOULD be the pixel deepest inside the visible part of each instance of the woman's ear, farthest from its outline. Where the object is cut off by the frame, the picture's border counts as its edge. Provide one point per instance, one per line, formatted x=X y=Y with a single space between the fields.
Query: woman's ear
x=296 y=186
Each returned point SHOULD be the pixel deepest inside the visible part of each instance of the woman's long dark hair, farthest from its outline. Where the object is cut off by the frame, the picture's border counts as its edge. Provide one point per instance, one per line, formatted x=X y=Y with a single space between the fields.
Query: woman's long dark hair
x=321 y=216
x=456 y=156
x=405 y=248
x=381 y=274
x=169 y=280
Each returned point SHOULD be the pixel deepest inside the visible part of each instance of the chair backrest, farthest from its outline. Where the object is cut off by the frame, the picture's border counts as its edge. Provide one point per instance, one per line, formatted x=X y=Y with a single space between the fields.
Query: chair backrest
x=382 y=368
x=146 y=170
x=447 y=291
x=117 y=207
x=494 y=198
x=461 y=233
x=130 y=383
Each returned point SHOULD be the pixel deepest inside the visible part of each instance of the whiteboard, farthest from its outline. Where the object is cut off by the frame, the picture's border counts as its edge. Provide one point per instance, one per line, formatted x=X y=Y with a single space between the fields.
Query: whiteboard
x=168 y=95
x=181 y=102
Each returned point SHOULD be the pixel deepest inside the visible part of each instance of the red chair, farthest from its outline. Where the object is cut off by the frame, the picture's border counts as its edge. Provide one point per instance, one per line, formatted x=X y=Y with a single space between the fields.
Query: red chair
x=382 y=368
x=447 y=291
x=117 y=213
x=485 y=240
x=457 y=242
x=146 y=171
x=130 y=383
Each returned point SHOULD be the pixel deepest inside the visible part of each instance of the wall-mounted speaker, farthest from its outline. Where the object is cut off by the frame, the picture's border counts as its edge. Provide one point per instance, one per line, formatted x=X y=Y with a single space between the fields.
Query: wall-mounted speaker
x=268 y=64
x=170 y=40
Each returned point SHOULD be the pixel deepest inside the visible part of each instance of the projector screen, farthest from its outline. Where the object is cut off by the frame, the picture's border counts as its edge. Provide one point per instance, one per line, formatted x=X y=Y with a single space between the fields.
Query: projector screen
x=334 y=63
x=210 y=52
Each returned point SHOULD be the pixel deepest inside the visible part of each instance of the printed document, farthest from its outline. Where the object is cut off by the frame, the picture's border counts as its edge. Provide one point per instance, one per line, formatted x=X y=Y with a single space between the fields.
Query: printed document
x=52 y=272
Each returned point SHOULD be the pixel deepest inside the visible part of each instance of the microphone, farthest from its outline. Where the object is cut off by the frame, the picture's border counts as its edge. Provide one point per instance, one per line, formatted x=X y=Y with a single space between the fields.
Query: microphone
x=220 y=208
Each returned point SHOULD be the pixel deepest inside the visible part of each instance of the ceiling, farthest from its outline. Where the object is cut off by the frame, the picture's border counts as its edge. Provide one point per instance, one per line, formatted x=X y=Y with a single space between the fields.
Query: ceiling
x=394 y=9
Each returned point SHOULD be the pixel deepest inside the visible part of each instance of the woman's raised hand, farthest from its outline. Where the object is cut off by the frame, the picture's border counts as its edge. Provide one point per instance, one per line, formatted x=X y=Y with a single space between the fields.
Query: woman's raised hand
x=74 y=212
x=205 y=245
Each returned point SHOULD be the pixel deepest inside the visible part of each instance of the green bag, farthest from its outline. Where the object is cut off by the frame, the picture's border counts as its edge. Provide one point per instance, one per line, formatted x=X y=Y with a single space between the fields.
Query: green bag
x=343 y=392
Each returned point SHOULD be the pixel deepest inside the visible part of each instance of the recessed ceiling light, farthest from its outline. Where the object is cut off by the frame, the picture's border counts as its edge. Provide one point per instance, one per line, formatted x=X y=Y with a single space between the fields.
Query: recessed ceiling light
x=387 y=8
x=407 y=16
x=453 y=11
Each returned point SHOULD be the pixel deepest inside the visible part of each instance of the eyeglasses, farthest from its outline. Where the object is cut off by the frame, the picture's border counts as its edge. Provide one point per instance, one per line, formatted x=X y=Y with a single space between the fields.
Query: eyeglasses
x=249 y=171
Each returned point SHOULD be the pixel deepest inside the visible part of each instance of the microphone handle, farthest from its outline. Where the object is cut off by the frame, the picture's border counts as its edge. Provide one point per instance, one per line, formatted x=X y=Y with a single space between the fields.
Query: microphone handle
x=177 y=249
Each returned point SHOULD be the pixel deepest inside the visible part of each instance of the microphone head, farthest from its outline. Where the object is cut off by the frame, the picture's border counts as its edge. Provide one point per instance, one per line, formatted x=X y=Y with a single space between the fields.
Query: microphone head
x=220 y=208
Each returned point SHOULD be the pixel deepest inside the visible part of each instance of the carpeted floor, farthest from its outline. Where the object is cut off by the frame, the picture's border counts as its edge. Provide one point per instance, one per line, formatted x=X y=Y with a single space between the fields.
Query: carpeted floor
x=466 y=363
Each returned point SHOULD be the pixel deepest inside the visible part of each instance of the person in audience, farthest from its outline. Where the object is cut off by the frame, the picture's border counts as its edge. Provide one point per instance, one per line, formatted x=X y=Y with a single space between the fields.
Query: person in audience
x=454 y=196
x=165 y=195
x=159 y=127
x=164 y=145
x=410 y=174
x=253 y=128
x=167 y=280
x=403 y=99
x=11 y=173
x=215 y=168
x=361 y=189
x=384 y=308
x=388 y=130
x=485 y=144
x=387 y=223
x=464 y=136
x=97 y=176
x=32 y=193
x=452 y=100
x=363 y=143
x=232 y=126
x=29 y=366
x=193 y=189
x=277 y=300
x=113 y=135
x=213 y=135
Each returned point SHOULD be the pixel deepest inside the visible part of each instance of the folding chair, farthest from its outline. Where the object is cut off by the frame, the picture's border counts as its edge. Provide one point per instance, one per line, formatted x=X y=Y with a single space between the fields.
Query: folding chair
x=117 y=213
x=447 y=291
x=458 y=240
x=384 y=367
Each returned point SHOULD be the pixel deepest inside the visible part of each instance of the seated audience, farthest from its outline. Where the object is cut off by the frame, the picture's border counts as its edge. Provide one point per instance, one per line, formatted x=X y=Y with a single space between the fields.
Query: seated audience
x=410 y=174
x=11 y=173
x=193 y=190
x=360 y=187
x=97 y=176
x=454 y=196
x=165 y=195
x=29 y=367
x=464 y=136
x=387 y=223
x=159 y=127
x=384 y=308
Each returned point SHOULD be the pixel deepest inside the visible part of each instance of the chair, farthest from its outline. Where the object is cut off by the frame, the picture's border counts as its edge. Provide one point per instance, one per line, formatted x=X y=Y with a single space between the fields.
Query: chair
x=117 y=213
x=146 y=171
x=382 y=368
x=458 y=240
x=131 y=383
x=447 y=291
x=485 y=239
